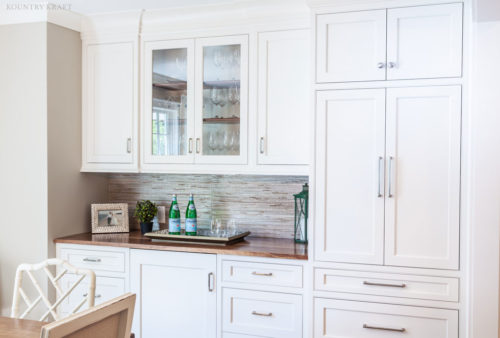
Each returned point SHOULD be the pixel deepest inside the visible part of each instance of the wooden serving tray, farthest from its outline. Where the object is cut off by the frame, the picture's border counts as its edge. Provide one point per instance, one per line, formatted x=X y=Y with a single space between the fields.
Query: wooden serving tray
x=204 y=237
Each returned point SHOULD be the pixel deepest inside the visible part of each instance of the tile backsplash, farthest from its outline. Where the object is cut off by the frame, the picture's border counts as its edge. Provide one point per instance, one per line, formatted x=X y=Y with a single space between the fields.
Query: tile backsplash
x=263 y=205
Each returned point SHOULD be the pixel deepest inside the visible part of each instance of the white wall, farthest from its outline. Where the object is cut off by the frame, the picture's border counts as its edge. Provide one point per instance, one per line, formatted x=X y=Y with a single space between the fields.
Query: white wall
x=485 y=221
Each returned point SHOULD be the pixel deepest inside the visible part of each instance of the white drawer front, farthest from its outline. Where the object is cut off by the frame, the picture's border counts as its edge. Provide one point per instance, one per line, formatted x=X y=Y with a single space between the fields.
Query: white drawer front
x=262 y=273
x=238 y=335
x=95 y=259
x=348 y=319
x=106 y=288
x=384 y=284
x=262 y=313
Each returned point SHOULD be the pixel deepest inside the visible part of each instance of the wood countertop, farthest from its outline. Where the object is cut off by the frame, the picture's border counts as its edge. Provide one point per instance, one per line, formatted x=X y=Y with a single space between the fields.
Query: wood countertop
x=251 y=246
x=22 y=328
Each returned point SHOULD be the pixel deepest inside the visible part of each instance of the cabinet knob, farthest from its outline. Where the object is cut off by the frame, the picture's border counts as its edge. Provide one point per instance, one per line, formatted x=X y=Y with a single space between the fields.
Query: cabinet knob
x=392 y=65
x=381 y=65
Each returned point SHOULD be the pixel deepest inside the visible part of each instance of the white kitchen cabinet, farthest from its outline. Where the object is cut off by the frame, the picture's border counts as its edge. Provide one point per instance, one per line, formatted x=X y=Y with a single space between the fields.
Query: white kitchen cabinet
x=351 y=46
x=350 y=139
x=398 y=43
x=349 y=319
x=389 y=167
x=424 y=42
x=283 y=99
x=423 y=177
x=110 y=106
x=176 y=294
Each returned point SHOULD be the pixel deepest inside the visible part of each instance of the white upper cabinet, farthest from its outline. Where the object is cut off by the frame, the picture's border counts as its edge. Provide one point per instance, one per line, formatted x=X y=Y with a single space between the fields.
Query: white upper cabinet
x=110 y=111
x=423 y=177
x=351 y=46
x=424 y=42
x=420 y=42
x=350 y=138
x=283 y=99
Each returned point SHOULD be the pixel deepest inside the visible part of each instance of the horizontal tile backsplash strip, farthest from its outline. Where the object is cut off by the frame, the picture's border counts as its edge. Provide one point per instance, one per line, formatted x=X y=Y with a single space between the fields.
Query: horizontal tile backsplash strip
x=263 y=205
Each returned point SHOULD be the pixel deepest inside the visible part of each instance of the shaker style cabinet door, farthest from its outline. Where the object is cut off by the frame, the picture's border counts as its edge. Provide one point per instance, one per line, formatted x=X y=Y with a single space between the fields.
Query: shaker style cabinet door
x=424 y=42
x=110 y=109
x=176 y=295
x=423 y=177
x=168 y=116
x=351 y=46
x=350 y=134
x=283 y=97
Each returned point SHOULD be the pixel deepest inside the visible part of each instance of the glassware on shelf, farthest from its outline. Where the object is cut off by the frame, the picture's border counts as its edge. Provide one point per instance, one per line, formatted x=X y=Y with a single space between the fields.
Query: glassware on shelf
x=227 y=141
x=212 y=144
x=234 y=93
x=181 y=63
x=231 y=227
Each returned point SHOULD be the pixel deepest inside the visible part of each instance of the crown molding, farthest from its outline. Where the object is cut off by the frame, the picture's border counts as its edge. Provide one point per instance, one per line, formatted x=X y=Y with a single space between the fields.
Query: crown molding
x=19 y=13
x=115 y=24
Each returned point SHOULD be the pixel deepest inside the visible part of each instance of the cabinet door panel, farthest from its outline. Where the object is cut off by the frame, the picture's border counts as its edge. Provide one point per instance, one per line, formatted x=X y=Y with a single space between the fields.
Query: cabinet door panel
x=422 y=204
x=424 y=42
x=109 y=108
x=350 y=46
x=283 y=97
x=173 y=296
x=350 y=194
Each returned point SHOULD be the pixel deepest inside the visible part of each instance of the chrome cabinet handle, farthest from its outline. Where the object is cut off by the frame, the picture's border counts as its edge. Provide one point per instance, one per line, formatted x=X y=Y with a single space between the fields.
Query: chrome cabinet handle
x=392 y=65
x=381 y=65
x=380 y=161
x=86 y=294
x=255 y=313
x=366 y=326
x=198 y=145
x=391 y=159
x=211 y=281
x=261 y=146
x=255 y=273
x=402 y=285
x=129 y=145
x=190 y=145
x=92 y=260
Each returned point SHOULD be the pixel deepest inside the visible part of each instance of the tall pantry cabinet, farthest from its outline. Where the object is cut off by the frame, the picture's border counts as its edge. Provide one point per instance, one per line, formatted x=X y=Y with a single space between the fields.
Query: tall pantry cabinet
x=388 y=125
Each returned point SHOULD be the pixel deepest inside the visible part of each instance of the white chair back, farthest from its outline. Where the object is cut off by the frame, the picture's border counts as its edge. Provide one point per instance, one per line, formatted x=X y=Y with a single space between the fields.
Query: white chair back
x=110 y=319
x=62 y=267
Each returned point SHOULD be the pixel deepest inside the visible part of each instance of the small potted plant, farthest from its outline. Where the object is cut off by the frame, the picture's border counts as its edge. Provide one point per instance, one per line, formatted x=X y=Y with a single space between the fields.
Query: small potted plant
x=145 y=211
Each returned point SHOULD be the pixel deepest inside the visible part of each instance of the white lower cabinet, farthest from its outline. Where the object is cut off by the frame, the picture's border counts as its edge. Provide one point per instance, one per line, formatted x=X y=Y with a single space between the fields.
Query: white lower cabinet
x=176 y=294
x=267 y=314
x=350 y=319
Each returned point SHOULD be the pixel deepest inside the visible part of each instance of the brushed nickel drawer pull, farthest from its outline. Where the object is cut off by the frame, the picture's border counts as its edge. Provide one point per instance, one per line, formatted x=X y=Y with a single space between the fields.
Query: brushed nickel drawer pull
x=198 y=145
x=261 y=145
x=190 y=150
x=92 y=260
x=255 y=313
x=402 y=285
x=96 y=296
x=129 y=145
x=211 y=282
x=366 y=326
x=255 y=273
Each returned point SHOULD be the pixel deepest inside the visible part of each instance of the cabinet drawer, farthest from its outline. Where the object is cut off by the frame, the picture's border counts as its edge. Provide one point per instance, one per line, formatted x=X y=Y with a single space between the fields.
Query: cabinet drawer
x=262 y=313
x=106 y=289
x=262 y=273
x=348 y=319
x=95 y=259
x=384 y=284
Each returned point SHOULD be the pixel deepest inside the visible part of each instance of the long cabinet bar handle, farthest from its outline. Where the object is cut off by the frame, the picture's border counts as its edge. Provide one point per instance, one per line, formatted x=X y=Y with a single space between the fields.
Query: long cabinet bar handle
x=86 y=294
x=261 y=145
x=211 y=281
x=380 y=162
x=366 y=326
x=190 y=145
x=255 y=273
x=129 y=145
x=402 y=285
x=391 y=159
x=92 y=260
x=198 y=145
x=255 y=313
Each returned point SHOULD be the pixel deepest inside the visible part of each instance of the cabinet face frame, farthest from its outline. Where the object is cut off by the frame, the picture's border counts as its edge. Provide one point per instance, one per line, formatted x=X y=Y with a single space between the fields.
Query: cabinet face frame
x=242 y=158
x=147 y=94
x=127 y=161
x=375 y=253
x=297 y=126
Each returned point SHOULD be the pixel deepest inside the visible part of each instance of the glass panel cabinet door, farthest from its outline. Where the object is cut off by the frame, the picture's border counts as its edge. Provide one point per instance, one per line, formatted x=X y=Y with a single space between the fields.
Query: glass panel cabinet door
x=169 y=102
x=221 y=110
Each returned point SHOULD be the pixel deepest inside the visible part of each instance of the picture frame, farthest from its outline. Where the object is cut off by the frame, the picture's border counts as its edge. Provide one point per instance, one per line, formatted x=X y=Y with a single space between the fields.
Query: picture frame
x=109 y=218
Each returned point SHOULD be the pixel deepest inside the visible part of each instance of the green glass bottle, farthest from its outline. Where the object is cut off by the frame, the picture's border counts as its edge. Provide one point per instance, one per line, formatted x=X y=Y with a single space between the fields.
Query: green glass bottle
x=174 y=218
x=191 y=222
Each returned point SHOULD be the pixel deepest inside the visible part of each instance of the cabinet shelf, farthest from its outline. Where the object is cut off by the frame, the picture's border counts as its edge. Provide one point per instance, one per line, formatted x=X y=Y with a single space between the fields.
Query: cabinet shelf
x=221 y=84
x=169 y=83
x=229 y=120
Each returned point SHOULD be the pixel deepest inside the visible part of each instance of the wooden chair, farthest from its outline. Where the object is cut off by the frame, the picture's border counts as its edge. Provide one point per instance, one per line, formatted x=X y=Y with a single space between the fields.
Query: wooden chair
x=63 y=267
x=112 y=319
